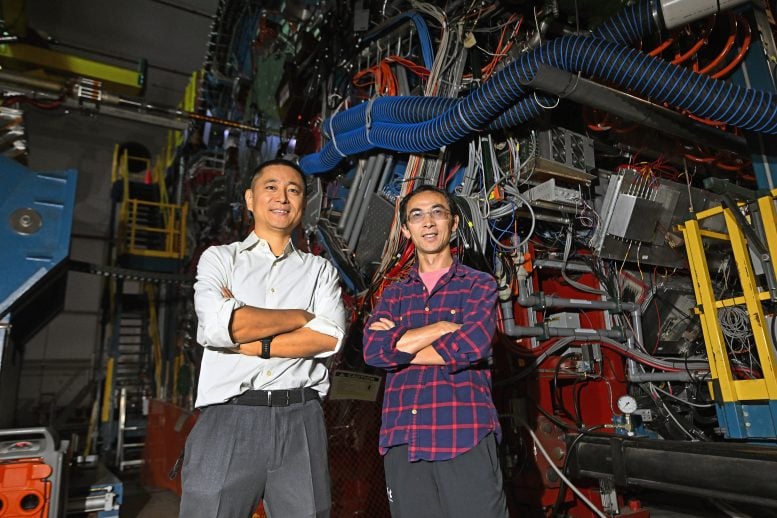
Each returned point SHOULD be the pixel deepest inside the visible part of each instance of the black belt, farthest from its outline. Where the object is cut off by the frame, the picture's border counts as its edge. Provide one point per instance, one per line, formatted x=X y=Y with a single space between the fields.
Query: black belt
x=274 y=397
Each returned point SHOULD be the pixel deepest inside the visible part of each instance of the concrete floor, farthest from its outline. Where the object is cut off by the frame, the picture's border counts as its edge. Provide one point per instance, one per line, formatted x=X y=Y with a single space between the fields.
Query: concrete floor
x=147 y=502
x=161 y=504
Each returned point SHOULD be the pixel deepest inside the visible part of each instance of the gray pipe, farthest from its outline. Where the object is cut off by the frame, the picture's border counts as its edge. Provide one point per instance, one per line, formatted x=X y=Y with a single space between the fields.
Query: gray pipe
x=636 y=320
x=571 y=266
x=386 y=173
x=31 y=82
x=643 y=377
x=369 y=171
x=571 y=86
x=353 y=196
x=681 y=12
x=508 y=321
x=579 y=334
x=365 y=204
x=542 y=301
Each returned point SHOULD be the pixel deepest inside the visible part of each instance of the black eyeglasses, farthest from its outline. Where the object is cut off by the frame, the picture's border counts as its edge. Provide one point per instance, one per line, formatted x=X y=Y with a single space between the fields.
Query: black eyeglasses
x=437 y=213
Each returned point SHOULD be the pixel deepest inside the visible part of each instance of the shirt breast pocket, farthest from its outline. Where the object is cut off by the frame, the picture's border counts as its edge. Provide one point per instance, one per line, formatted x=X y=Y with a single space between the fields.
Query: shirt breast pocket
x=453 y=314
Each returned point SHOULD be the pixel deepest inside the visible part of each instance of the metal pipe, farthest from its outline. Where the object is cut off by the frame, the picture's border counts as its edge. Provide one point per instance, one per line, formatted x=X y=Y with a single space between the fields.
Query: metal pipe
x=729 y=471
x=571 y=266
x=632 y=369
x=545 y=331
x=386 y=173
x=357 y=178
x=359 y=196
x=539 y=216
x=636 y=322
x=681 y=12
x=575 y=88
x=371 y=183
x=505 y=300
x=508 y=320
x=644 y=377
x=542 y=301
x=31 y=82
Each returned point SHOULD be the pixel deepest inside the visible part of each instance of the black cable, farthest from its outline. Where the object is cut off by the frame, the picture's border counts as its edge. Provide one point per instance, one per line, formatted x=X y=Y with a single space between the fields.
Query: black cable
x=558 y=422
x=576 y=402
x=554 y=399
x=557 y=398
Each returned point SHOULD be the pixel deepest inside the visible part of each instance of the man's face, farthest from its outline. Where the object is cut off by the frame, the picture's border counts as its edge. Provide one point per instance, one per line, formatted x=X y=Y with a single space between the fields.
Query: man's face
x=276 y=199
x=429 y=222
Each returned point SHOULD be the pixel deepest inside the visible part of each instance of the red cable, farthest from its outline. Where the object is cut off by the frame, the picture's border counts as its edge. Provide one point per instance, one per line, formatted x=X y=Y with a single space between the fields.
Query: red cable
x=742 y=51
x=729 y=43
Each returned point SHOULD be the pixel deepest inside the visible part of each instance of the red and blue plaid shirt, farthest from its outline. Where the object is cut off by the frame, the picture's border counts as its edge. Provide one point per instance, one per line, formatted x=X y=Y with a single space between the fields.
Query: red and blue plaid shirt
x=438 y=411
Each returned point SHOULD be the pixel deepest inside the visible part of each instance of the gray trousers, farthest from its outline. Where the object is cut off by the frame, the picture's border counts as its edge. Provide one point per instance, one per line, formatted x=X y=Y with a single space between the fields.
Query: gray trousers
x=238 y=455
x=465 y=486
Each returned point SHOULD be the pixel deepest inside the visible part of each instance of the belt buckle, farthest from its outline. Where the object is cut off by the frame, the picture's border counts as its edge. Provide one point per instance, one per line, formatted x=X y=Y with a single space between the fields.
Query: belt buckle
x=269 y=398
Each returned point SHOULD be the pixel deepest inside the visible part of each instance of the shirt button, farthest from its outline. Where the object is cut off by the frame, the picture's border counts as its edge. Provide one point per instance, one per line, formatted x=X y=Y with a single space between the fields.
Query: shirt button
x=426 y=309
x=453 y=312
x=414 y=411
x=269 y=373
x=272 y=290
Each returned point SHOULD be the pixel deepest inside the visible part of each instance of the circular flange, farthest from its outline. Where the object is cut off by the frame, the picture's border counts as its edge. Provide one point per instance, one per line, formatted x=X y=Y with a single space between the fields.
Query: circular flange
x=26 y=221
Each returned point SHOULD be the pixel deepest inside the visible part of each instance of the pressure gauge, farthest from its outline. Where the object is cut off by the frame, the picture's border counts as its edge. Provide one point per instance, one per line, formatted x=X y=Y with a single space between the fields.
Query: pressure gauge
x=627 y=404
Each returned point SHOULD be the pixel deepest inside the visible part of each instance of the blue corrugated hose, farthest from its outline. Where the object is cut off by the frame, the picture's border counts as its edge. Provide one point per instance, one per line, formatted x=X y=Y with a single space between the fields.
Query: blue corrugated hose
x=419 y=124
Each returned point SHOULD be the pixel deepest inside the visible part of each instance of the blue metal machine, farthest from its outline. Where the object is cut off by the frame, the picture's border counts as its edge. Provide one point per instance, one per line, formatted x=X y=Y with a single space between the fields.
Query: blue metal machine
x=36 y=215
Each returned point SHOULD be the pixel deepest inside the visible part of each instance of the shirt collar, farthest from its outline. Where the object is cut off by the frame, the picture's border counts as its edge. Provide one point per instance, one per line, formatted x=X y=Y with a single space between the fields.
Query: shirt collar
x=252 y=241
x=455 y=269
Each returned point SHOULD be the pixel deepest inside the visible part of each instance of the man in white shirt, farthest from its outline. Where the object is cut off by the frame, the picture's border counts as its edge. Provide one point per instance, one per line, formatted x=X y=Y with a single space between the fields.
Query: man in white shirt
x=269 y=314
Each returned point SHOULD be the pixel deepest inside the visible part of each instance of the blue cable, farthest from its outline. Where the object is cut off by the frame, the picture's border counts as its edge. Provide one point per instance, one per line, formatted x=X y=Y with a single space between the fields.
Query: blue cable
x=425 y=39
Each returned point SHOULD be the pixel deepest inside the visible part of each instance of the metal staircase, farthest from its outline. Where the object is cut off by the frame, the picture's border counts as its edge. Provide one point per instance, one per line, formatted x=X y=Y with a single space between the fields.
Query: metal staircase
x=150 y=236
x=129 y=377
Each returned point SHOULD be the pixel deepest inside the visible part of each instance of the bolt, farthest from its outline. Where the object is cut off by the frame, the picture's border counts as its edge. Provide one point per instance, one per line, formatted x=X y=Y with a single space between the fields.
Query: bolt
x=25 y=220
x=557 y=453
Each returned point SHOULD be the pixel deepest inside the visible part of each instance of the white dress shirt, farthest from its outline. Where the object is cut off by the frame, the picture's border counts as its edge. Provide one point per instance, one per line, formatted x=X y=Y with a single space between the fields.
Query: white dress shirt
x=255 y=277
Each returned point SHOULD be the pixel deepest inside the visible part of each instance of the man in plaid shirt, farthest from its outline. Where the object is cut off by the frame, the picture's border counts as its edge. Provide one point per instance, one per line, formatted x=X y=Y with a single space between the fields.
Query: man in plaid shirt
x=432 y=333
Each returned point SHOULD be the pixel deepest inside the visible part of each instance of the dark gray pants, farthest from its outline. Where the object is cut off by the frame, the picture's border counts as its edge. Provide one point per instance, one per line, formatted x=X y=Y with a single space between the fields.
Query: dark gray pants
x=238 y=455
x=466 y=486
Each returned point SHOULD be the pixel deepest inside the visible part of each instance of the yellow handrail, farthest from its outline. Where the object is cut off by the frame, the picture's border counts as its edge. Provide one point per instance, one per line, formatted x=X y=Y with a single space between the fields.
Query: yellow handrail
x=724 y=382
x=164 y=240
x=153 y=333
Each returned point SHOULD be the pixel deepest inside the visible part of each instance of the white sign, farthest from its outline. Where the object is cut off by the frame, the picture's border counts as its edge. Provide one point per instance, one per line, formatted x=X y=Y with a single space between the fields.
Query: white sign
x=354 y=385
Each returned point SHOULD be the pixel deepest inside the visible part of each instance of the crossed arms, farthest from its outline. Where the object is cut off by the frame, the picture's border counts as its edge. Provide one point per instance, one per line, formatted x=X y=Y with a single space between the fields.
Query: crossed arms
x=391 y=341
x=418 y=342
x=227 y=323
x=250 y=324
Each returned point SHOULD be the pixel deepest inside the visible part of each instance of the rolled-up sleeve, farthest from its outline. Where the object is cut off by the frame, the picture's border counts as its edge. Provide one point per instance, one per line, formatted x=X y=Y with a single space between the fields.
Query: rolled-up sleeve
x=379 y=345
x=328 y=308
x=214 y=312
x=471 y=343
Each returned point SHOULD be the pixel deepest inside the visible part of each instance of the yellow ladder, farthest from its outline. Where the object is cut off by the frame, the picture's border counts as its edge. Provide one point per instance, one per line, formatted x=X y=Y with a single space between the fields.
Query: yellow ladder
x=747 y=408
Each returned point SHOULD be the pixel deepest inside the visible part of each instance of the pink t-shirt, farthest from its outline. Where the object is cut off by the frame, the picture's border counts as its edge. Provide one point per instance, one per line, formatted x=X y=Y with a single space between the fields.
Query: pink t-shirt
x=430 y=278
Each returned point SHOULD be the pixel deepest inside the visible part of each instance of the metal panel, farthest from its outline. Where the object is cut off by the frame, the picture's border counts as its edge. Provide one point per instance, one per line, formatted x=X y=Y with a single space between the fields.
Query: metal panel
x=36 y=211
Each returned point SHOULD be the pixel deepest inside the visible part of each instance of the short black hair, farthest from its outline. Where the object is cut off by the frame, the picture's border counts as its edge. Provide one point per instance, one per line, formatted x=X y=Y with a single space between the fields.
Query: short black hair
x=419 y=190
x=279 y=161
